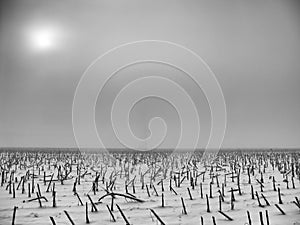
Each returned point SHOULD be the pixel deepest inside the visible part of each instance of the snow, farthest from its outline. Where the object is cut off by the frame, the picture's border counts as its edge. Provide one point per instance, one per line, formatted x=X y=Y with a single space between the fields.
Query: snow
x=139 y=213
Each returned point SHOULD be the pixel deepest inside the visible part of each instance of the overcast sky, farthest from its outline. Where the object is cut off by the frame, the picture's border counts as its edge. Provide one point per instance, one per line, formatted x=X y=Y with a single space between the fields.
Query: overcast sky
x=253 y=47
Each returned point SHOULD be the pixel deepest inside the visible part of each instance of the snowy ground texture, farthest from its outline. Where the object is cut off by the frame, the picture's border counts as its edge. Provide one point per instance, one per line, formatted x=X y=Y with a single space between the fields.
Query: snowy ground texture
x=130 y=174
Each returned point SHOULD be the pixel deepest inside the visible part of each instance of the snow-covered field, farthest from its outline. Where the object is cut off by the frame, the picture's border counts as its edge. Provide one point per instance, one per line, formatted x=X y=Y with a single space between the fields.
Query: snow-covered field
x=142 y=170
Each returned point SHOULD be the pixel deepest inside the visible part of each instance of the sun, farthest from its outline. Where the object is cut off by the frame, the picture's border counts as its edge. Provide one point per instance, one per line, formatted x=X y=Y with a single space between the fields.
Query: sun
x=43 y=39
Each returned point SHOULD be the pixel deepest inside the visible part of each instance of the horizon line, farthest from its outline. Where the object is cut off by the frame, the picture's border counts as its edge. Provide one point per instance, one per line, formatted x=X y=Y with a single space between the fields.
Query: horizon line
x=124 y=148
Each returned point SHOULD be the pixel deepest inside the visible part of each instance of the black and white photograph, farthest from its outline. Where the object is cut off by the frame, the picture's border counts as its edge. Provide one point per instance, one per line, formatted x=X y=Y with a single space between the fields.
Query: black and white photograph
x=139 y=112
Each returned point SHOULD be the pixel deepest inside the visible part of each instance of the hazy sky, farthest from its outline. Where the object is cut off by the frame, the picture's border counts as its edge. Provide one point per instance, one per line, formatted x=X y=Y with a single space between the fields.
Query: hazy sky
x=253 y=47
